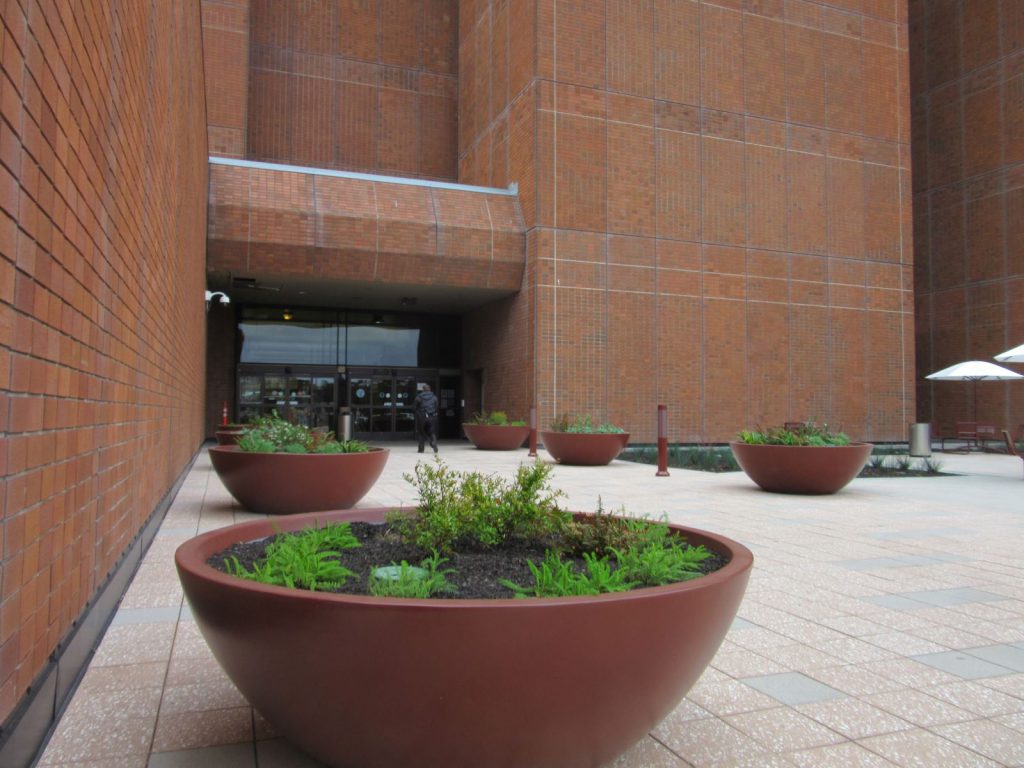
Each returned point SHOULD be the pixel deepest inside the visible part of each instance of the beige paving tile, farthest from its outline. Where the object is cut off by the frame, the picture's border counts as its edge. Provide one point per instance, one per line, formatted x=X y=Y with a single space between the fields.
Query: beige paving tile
x=185 y=670
x=200 y=697
x=745 y=664
x=146 y=675
x=131 y=761
x=839 y=756
x=919 y=708
x=854 y=680
x=707 y=743
x=87 y=737
x=729 y=698
x=135 y=644
x=853 y=650
x=783 y=729
x=977 y=698
x=191 y=730
x=853 y=718
x=921 y=749
x=910 y=673
x=903 y=643
x=1015 y=721
x=802 y=658
x=988 y=738
x=648 y=753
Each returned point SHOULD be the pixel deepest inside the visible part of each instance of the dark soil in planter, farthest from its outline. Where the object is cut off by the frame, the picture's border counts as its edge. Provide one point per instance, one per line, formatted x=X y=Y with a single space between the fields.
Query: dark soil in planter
x=477 y=572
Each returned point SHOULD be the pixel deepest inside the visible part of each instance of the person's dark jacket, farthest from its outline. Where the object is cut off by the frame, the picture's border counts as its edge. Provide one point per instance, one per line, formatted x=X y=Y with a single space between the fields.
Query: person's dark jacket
x=426 y=404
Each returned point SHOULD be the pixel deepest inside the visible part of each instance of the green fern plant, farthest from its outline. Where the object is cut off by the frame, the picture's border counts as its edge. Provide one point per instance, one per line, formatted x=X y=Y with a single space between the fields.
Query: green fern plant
x=307 y=559
x=429 y=580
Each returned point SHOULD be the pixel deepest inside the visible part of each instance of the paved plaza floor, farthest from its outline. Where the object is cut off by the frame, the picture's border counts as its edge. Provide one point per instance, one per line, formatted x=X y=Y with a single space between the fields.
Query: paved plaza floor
x=883 y=626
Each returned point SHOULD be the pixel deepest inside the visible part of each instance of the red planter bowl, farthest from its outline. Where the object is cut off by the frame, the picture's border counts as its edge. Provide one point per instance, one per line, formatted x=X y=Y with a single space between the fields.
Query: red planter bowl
x=801 y=468
x=229 y=435
x=594 y=449
x=491 y=437
x=290 y=483
x=364 y=682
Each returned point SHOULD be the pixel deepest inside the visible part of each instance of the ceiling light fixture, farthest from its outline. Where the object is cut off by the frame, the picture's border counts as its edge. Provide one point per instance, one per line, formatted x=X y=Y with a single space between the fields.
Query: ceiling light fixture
x=287 y=314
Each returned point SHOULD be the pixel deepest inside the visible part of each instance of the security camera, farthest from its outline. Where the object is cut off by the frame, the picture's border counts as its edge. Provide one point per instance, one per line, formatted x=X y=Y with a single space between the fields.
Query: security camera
x=221 y=297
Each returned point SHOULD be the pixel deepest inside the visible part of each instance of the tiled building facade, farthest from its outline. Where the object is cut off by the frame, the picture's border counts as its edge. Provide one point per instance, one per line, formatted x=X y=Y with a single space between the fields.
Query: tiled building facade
x=712 y=210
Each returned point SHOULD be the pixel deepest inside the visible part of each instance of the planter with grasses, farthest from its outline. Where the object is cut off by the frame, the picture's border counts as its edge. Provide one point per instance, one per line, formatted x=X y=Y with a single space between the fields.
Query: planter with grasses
x=805 y=459
x=494 y=432
x=278 y=468
x=579 y=441
x=487 y=626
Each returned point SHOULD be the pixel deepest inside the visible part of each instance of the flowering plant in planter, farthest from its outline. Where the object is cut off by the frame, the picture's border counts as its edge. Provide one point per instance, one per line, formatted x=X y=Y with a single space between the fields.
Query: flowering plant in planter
x=494 y=432
x=577 y=440
x=802 y=458
x=279 y=468
x=431 y=680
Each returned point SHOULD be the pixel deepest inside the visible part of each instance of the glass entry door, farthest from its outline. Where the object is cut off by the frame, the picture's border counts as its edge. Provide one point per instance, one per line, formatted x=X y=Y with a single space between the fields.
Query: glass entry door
x=302 y=398
x=381 y=404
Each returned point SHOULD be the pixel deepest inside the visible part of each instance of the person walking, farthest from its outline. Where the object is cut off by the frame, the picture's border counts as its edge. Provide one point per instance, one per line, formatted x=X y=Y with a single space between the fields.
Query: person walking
x=425 y=407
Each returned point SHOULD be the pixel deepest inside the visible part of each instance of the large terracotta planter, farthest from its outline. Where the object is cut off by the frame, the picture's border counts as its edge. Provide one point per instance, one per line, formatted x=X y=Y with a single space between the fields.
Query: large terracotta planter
x=801 y=468
x=229 y=435
x=492 y=437
x=364 y=682
x=591 y=449
x=290 y=483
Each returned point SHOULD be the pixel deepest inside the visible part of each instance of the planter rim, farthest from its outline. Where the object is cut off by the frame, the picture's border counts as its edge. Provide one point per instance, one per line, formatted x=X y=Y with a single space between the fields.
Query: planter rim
x=192 y=555
x=583 y=434
x=236 y=449
x=496 y=426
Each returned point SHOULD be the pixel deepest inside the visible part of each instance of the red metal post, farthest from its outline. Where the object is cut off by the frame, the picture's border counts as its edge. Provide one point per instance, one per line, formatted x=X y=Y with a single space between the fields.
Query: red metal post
x=224 y=414
x=662 y=441
x=533 y=431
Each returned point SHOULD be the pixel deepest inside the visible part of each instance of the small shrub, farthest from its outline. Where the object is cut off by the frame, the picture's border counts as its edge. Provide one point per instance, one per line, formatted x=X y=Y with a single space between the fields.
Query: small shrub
x=483 y=509
x=272 y=434
x=583 y=425
x=932 y=466
x=806 y=434
x=495 y=419
x=603 y=533
x=661 y=558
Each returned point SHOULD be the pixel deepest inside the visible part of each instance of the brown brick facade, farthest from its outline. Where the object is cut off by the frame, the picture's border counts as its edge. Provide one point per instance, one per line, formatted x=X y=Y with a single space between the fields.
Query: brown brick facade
x=719 y=194
x=360 y=86
x=102 y=221
x=967 y=76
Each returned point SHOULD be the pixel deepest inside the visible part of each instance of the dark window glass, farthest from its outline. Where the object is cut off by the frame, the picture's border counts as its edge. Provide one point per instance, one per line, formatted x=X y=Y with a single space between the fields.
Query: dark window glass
x=292 y=342
x=381 y=345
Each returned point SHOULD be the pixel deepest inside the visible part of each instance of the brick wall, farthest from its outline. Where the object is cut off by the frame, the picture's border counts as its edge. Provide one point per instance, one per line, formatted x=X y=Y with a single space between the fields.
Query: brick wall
x=719 y=196
x=967 y=75
x=226 y=65
x=102 y=225
x=360 y=86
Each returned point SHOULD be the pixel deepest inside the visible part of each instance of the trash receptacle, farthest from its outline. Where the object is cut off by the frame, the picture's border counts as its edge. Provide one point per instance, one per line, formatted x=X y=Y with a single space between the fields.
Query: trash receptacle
x=921 y=439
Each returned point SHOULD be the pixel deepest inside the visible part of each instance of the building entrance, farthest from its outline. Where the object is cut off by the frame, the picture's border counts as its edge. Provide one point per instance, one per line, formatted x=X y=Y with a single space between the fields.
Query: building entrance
x=380 y=402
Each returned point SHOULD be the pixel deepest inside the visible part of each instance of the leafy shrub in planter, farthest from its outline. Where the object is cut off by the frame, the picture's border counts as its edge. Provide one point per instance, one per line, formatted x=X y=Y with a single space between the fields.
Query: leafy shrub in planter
x=583 y=425
x=272 y=434
x=805 y=434
x=495 y=419
x=467 y=513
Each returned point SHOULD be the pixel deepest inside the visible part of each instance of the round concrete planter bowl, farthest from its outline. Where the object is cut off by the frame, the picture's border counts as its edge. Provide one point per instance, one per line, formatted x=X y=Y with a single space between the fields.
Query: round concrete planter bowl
x=229 y=435
x=291 y=483
x=365 y=682
x=492 y=437
x=587 y=449
x=807 y=469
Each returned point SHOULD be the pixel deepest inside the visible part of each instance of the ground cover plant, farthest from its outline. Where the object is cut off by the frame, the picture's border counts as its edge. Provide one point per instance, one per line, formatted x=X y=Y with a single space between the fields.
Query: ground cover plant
x=272 y=434
x=804 y=434
x=889 y=463
x=475 y=536
x=704 y=458
x=495 y=419
x=583 y=425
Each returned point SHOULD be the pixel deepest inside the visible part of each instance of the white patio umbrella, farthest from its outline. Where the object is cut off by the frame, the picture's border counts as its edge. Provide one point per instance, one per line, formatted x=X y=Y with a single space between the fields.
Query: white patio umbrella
x=975 y=371
x=1015 y=355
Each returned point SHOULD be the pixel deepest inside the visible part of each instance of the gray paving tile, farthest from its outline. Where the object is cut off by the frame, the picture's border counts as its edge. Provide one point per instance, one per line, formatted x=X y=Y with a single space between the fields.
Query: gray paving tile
x=278 y=753
x=1010 y=656
x=919 y=533
x=739 y=623
x=872 y=563
x=895 y=602
x=962 y=664
x=793 y=688
x=228 y=756
x=145 y=615
x=945 y=597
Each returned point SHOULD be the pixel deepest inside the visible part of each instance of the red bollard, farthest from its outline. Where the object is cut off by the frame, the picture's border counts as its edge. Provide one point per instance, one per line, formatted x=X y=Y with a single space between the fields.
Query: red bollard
x=662 y=441
x=533 y=431
x=224 y=414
